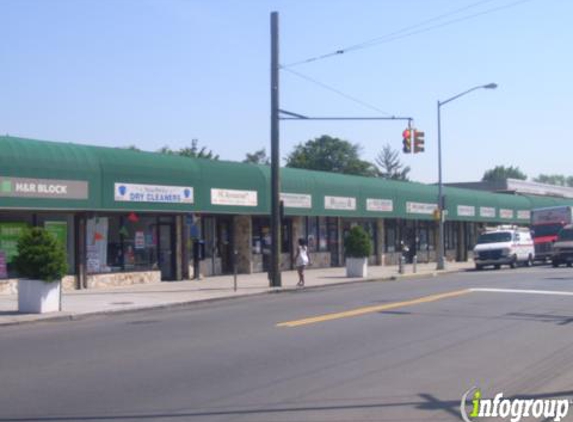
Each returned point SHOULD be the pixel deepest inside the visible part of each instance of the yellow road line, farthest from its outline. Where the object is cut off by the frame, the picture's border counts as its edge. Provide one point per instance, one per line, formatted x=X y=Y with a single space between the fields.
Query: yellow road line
x=371 y=309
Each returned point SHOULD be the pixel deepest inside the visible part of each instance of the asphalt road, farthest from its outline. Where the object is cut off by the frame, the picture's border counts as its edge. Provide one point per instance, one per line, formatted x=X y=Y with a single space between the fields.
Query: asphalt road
x=407 y=351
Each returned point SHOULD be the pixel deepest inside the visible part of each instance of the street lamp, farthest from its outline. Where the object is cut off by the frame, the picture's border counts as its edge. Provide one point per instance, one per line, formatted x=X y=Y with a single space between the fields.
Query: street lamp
x=441 y=204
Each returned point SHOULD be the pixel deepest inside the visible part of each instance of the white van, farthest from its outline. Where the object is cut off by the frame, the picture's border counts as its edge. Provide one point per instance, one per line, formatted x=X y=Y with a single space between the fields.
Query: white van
x=504 y=245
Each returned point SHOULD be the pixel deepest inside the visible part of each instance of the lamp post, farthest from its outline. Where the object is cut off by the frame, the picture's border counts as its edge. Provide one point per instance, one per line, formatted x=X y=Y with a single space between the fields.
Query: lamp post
x=441 y=204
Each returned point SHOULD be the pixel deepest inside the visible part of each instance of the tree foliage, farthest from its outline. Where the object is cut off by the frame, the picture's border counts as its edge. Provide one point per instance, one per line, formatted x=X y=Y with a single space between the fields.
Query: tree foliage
x=192 y=151
x=389 y=164
x=258 y=157
x=555 y=179
x=499 y=173
x=357 y=243
x=40 y=256
x=330 y=154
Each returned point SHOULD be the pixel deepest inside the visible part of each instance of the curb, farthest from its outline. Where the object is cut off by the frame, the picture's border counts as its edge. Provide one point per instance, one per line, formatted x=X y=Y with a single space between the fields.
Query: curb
x=164 y=306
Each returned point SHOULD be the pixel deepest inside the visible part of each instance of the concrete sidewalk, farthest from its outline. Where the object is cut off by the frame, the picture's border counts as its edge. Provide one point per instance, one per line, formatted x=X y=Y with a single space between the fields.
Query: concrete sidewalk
x=83 y=303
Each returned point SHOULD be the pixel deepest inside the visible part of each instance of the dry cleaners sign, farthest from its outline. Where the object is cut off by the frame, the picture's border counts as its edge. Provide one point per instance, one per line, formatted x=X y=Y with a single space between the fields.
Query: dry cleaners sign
x=128 y=192
x=19 y=187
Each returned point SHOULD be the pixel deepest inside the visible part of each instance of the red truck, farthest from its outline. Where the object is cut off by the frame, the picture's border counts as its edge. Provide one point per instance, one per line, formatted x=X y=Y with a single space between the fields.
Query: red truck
x=545 y=224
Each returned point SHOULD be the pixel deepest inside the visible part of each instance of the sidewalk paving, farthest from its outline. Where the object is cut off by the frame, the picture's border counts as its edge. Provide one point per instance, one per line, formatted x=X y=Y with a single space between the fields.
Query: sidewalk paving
x=84 y=303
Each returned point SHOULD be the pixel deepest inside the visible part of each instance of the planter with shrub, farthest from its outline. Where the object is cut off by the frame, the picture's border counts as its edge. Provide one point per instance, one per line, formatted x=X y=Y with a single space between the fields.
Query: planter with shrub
x=41 y=262
x=358 y=249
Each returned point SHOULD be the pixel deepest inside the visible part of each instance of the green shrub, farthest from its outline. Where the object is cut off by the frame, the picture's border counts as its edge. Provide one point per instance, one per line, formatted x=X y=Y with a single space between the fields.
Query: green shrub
x=357 y=243
x=40 y=256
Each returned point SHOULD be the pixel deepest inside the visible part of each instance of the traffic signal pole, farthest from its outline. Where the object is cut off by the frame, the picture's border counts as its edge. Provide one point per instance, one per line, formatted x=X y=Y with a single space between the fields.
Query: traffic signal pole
x=276 y=116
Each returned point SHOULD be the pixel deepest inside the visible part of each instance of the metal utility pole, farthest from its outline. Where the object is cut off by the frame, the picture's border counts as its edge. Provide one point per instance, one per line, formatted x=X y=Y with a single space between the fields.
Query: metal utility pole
x=441 y=204
x=275 y=267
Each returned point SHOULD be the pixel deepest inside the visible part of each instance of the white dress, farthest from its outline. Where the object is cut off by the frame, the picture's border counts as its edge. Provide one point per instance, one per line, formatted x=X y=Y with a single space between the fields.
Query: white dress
x=302 y=258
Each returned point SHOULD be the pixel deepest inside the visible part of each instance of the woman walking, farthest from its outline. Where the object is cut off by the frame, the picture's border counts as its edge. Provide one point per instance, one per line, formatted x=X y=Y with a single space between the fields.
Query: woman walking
x=301 y=260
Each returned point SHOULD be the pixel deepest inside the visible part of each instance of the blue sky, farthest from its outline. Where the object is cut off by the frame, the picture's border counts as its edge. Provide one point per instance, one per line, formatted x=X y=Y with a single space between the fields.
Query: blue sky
x=162 y=72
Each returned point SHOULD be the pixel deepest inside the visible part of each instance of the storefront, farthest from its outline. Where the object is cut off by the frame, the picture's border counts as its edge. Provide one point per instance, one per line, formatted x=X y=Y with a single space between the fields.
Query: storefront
x=129 y=217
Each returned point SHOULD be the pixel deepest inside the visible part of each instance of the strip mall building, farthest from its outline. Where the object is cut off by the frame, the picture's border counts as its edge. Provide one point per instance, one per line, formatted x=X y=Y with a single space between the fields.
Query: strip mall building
x=129 y=217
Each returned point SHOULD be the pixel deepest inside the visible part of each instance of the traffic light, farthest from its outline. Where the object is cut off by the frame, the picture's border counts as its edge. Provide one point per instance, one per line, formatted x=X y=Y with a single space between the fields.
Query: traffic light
x=418 y=141
x=407 y=141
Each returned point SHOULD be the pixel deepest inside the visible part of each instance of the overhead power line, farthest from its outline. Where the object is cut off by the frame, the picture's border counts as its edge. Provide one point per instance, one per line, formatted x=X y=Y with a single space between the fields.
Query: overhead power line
x=412 y=30
x=336 y=91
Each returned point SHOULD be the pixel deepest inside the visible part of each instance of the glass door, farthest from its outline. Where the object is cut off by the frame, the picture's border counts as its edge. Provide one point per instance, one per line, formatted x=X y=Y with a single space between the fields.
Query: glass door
x=166 y=255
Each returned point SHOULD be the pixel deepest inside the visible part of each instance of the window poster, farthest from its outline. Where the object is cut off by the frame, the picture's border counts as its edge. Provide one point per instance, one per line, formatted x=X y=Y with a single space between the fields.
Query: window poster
x=96 y=240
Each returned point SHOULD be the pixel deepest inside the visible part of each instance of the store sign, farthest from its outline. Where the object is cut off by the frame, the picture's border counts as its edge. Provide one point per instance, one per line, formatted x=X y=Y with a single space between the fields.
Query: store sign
x=487 y=212
x=9 y=235
x=524 y=214
x=420 y=208
x=296 y=200
x=383 y=205
x=18 y=187
x=505 y=213
x=339 y=203
x=241 y=198
x=128 y=192
x=466 y=211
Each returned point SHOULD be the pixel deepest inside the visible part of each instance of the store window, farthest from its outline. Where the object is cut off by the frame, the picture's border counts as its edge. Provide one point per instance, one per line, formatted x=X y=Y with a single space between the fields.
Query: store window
x=322 y=234
x=117 y=243
x=391 y=235
x=312 y=234
x=13 y=224
x=261 y=235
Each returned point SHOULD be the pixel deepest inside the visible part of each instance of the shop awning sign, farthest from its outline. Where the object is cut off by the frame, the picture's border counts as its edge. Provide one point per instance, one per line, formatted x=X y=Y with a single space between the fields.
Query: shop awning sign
x=420 y=208
x=466 y=211
x=339 y=203
x=382 y=205
x=20 y=187
x=129 y=192
x=241 y=198
x=296 y=200
x=487 y=212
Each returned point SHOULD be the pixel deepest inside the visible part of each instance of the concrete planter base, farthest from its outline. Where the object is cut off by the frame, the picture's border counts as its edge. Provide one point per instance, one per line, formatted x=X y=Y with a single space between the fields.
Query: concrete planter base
x=38 y=297
x=357 y=267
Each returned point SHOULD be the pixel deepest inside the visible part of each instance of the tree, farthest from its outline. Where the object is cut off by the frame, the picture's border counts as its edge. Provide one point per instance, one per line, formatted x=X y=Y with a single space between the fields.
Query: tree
x=499 y=173
x=555 y=179
x=258 y=157
x=191 y=152
x=332 y=155
x=390 y=166
x=131 y=148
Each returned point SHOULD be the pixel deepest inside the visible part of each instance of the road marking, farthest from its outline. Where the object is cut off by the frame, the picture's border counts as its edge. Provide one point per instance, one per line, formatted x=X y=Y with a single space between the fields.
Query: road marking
x=531 y=292
x=371 y=309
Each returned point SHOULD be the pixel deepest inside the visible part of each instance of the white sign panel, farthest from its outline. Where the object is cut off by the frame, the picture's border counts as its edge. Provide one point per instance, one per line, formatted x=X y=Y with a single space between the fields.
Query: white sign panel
x=487 y=212
x=339 y=203
x=128 y=192
x=384 y=205
x=524 y=214
x=420 y=208
x=296 y=200
x=466 y=211
x=503 y=213
x=240 y=198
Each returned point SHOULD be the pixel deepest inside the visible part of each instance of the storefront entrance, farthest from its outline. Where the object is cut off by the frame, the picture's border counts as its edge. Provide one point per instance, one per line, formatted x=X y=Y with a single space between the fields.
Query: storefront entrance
x=166 y=255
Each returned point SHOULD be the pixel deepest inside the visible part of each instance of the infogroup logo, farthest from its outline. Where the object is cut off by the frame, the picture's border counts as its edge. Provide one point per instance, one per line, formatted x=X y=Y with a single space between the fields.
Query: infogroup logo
x=513 y=409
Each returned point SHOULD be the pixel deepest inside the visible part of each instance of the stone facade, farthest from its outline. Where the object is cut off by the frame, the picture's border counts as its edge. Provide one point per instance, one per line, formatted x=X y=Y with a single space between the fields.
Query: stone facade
x=243 y=234
x=319 y=259
x=123 y=279
x=10 y=286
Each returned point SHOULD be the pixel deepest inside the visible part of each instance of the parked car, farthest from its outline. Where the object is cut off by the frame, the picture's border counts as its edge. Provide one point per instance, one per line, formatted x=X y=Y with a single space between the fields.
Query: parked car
x=504 y=245
x=563 y=247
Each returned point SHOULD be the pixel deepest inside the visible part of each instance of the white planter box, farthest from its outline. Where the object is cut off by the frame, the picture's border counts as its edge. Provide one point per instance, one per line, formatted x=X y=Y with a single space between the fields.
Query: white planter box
x=38 y=297
x=357 y=267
